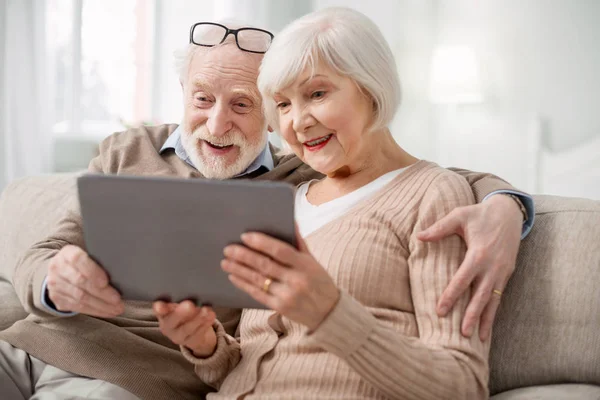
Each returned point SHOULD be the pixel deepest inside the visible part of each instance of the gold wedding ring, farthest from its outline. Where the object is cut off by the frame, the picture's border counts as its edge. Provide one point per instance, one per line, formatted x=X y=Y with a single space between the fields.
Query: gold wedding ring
x=498 y=292
x=266 y=285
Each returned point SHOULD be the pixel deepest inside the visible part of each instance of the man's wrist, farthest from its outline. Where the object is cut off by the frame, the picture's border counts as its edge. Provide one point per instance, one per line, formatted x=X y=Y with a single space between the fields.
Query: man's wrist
x=503 y=201
x=49 y=304
x=524 y=199
x=519 y=204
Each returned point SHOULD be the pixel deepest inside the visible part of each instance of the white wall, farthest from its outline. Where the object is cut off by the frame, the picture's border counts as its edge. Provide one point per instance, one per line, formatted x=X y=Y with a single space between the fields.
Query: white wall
x=537 y=56
x=538 y=59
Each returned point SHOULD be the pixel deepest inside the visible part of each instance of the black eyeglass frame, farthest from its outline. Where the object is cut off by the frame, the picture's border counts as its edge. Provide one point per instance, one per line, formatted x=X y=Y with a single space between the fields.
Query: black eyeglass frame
x=228 y=32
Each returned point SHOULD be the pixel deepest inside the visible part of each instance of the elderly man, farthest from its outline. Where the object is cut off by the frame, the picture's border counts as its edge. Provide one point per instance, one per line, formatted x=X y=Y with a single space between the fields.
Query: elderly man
x=82 y=339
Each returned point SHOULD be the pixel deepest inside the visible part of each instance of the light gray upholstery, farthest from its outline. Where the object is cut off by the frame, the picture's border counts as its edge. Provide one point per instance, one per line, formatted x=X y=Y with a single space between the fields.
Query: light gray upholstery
x=552 y=392
x=29 y=209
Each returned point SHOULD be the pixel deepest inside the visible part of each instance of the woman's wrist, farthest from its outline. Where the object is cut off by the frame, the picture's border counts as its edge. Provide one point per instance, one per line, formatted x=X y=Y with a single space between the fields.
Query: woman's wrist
x=208 y=346
x=331 y=306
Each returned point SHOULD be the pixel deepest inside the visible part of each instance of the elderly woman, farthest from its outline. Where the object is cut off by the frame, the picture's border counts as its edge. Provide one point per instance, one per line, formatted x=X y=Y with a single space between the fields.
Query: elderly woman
x=354 y=307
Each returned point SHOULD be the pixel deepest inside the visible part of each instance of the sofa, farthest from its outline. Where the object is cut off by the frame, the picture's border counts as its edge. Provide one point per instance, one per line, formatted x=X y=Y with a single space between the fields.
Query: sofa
x=546 y=339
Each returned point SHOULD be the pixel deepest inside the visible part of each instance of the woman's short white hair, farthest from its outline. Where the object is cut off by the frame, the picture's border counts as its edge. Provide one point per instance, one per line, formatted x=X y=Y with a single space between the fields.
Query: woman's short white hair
x=346 y=41
x=183 y=57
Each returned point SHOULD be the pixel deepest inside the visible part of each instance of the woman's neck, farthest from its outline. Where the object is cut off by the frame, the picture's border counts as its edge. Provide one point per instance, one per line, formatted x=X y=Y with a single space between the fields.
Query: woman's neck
x=383 y=155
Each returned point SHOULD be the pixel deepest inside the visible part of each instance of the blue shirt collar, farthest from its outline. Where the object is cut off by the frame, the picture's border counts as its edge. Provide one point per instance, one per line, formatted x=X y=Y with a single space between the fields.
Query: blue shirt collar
x=264 y=159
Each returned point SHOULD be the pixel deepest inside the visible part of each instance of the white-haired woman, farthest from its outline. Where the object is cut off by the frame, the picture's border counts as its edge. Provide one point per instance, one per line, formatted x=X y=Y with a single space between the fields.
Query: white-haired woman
x=355 y=306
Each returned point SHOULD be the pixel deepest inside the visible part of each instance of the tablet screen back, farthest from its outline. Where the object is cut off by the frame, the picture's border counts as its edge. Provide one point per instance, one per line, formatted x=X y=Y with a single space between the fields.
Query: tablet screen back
x=164 y=237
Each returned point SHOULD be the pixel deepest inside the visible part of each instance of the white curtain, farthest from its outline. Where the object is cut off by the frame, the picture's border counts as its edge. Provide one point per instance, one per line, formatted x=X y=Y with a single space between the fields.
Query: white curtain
x=25 y=97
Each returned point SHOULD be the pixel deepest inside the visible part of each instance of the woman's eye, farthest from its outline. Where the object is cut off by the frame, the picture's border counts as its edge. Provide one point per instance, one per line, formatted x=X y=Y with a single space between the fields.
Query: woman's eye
x=318 y=94
x=282 y=104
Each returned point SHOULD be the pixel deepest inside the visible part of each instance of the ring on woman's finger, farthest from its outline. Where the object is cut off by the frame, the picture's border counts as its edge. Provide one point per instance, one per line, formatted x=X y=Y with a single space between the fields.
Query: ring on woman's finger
x=267 y=285
x=498 y=292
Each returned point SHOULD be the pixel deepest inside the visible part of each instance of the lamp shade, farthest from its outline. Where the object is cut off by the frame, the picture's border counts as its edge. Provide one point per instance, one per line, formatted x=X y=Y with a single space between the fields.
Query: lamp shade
x=455 y=76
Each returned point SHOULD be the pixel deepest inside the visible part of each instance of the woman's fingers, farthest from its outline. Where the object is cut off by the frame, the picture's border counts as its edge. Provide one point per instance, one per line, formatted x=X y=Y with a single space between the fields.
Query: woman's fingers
x=248 y=274
x=276 y=249
x=488 y=316
x=260 y=263
x=179 y=321
x=162 y=308
x=183 y=312
x=192 y=332
x=256 y=293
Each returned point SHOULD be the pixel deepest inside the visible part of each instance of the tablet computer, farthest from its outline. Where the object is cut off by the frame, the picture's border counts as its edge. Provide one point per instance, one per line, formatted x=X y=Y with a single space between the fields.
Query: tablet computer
x=163 y=238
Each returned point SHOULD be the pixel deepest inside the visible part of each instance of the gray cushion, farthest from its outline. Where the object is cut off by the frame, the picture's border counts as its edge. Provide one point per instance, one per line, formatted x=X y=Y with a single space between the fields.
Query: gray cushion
x=30 y=209
x=10 y=306
x=547 y=326
x=552 y=392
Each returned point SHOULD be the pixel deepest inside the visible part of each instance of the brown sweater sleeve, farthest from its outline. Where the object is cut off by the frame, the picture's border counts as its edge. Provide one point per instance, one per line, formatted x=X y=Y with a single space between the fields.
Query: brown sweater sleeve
x=440 y=363
x=483 y=183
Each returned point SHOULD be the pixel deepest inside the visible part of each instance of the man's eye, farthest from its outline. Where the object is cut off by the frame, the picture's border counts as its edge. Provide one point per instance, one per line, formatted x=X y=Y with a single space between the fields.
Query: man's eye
x=244 y=105
x=318 y=94
x=202 y=98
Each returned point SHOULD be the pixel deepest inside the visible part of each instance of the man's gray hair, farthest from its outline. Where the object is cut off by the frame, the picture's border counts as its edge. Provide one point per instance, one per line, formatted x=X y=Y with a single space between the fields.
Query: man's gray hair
x=183 y=57
x=346 y=41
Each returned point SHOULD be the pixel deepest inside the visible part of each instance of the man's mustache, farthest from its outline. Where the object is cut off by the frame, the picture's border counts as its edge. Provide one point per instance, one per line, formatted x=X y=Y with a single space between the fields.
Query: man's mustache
x=233 y=137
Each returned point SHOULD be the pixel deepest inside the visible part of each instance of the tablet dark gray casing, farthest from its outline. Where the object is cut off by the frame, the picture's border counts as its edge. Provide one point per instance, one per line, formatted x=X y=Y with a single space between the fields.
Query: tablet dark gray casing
x=163 y=238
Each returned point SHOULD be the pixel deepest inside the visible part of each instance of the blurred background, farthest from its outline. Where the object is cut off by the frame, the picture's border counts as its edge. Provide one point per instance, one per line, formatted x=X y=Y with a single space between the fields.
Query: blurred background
x=505 y=86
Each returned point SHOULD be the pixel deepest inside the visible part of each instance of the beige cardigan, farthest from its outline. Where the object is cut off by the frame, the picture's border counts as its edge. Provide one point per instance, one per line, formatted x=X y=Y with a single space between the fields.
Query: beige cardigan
x=383 y=340
x=129 y=350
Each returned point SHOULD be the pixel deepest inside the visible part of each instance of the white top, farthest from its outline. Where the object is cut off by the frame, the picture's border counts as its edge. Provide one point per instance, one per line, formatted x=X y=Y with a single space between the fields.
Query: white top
x=310 y=217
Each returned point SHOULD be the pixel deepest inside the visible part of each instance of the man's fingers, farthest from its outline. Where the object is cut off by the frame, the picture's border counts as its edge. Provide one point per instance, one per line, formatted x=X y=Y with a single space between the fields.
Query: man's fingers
x=449 y=225
x=80 y=300
x=487 y=319
x=478 y=302
x=489 y=313
x=85 y=266
x=66 y=303
x=76 y=274
x=79 y=287
x=460 y=283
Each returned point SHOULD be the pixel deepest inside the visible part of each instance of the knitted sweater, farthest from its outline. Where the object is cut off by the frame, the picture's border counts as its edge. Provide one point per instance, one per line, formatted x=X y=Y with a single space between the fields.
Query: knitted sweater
x=383 y=340
x=129 y=350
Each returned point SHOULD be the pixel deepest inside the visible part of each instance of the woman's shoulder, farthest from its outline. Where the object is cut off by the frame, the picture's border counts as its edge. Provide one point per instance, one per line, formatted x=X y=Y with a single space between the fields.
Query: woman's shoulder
x=427 y=175
x=422 y=186
x=443 y=185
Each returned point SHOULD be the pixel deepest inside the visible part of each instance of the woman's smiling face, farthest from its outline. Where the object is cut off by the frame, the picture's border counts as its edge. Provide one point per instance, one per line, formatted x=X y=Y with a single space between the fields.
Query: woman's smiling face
x=324 y=117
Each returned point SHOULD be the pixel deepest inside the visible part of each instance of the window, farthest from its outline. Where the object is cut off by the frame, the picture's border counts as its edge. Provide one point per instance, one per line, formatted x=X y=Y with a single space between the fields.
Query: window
x=100 y=60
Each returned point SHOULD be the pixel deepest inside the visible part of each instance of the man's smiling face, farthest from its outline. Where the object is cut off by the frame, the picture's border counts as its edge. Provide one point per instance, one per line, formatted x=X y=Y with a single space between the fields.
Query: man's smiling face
x=224 y=129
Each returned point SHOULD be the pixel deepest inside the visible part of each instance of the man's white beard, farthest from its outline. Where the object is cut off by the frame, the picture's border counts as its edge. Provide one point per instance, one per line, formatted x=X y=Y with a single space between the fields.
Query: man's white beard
x=217 y=167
